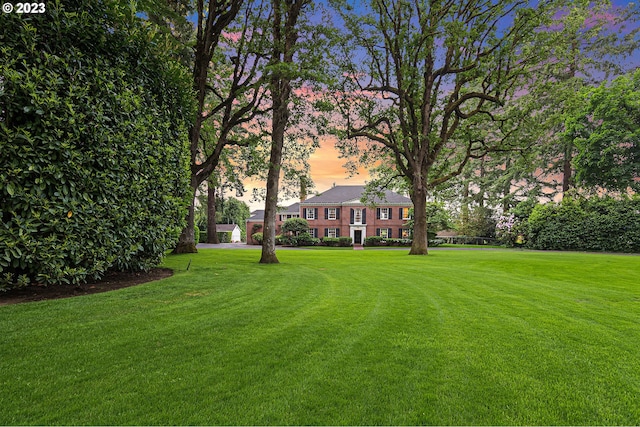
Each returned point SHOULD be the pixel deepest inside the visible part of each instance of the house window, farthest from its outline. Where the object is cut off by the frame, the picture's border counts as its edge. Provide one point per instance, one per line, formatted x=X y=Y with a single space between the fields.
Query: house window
x=405 y=213
x=384 y=232
x=384 y=213
x=405 y=233
x=331 y=213
x=357 y=216
x=311 y=214
x=313 y=232
x=332 y=232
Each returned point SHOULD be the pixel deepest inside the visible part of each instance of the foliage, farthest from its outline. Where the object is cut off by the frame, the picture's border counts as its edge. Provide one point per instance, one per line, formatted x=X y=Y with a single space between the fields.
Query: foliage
x=434 y=87
x=438 y=218
x=606 y=131
x=295 y=226
x=480 y=222
x=593 y=224
x=336 y=241
x=330 y=241
x=507 y=229
x=373 y=241
x=384 y=241
x=257 y=237
x=224 y=236
x=201 y=236
x=512 y=226
x=93 y=124
x=344 y=241
x=295 y=51
x=305 y=239
x=589 y=42
x=211 y=23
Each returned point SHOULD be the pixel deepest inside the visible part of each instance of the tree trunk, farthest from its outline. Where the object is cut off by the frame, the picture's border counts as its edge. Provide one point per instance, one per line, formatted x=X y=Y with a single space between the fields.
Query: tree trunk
x=567 y=170
x=465 y=213
x=271 y=207
x=506 y=190
x=419 y=199
x=280 y=117
x=187 y=242
x=212 y=235
x=280 y=85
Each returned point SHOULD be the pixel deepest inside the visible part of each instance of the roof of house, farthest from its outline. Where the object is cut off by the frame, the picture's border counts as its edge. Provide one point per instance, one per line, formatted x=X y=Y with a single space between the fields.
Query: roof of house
x=257 y=215
x=294 y=208
x=226 y=227
x=351 y=194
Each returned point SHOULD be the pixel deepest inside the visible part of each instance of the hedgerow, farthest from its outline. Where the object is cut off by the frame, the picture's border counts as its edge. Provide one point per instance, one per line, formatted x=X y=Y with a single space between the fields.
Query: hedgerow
x=586 y=224
x=93 y=125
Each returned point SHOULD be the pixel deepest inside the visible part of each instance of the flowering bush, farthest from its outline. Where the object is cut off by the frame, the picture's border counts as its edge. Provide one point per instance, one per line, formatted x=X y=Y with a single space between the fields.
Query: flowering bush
x=508 y=228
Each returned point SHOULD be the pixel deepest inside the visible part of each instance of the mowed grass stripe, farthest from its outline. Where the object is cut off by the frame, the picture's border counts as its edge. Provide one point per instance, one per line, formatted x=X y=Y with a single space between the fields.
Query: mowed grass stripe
x=336 y=337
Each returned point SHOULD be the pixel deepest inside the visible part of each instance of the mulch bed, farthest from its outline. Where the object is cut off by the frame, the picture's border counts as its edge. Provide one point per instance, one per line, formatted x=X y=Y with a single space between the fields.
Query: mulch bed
x=110 y=282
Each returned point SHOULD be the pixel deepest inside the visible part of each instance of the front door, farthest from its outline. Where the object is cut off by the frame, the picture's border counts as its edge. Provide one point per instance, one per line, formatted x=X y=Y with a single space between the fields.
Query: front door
x=357 y=237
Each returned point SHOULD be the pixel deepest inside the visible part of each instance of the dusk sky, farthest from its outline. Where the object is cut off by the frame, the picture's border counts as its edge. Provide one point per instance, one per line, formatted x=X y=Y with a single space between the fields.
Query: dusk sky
x=326 y=166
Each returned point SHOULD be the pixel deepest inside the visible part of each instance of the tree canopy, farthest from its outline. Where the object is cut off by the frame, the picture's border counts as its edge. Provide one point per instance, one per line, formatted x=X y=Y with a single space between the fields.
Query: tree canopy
x=429 y=86
x=606 y=131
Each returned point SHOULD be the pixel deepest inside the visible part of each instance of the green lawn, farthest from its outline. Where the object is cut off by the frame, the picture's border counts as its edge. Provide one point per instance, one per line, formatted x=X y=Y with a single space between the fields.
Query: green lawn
x=337 y=337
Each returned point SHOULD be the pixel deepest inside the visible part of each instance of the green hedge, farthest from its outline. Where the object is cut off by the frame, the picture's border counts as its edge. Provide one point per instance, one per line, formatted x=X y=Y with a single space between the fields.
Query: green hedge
x=94 y=118
x=336 y=241
x=593 y=224
x=383 y=241
x=201 y=236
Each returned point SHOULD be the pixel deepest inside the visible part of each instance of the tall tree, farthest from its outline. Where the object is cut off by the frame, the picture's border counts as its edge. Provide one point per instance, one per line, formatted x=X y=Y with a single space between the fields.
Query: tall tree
x=229 y=79
x=428 y=81
x=595 y=41
x=606 y=131
x=285 y=36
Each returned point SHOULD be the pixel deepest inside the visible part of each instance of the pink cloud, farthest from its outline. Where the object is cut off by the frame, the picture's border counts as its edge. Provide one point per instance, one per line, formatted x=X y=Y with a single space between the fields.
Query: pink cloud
x=232 y=36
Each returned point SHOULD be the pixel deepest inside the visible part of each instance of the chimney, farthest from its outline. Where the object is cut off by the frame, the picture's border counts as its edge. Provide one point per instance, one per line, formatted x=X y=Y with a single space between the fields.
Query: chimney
x=303 y=190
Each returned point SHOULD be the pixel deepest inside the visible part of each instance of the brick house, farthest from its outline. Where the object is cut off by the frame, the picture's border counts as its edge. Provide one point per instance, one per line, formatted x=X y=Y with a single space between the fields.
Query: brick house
x=339 y=212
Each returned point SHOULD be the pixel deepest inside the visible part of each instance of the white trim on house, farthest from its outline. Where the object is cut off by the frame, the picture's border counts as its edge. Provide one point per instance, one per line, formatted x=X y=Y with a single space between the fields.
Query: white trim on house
x=352 y=233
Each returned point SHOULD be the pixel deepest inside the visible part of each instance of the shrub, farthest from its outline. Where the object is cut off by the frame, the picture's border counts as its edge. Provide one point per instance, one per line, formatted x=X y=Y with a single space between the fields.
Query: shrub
x=401 y=242
x=199 y=236
x=331 y=241
x=594 y=224
x=224 y=236
x=373 y=241
x=287 y=240
x=305 y=239
x=257 y=237
x=94 y=130
x=479 y=223
x=509 y=230
x=295 y=226
x=344 y=241
x=433 y=243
